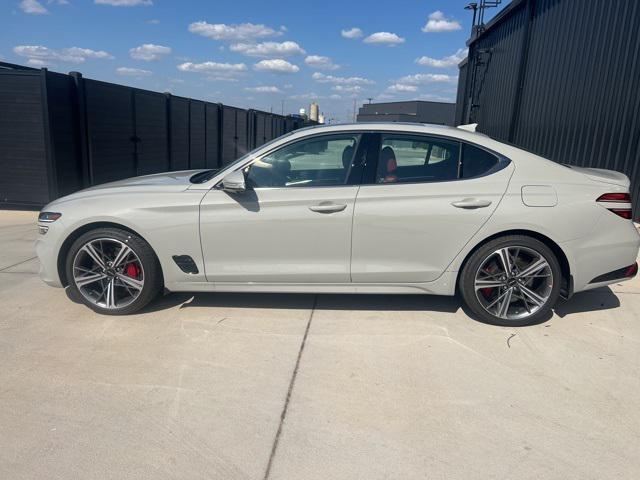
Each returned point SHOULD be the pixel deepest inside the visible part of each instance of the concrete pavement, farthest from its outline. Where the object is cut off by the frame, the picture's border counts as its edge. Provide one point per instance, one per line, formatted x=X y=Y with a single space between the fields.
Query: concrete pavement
x=244 y=386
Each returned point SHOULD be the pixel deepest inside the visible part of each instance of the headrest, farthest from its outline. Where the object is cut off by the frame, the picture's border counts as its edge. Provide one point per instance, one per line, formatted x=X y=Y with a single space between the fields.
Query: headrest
x=347 y=155
x=388 y=159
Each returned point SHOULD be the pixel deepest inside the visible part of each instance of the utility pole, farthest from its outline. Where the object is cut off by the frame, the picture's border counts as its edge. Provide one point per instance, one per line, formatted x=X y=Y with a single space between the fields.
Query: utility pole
x=354 y=110
x=282 y=107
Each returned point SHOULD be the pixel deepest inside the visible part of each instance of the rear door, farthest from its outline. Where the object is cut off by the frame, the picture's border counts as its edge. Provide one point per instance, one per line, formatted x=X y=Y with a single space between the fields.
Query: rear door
x=420 y=205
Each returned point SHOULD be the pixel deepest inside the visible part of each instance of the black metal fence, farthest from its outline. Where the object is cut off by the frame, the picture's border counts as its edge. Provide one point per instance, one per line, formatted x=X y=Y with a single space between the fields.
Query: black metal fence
x=560 y=78
x=60 y=133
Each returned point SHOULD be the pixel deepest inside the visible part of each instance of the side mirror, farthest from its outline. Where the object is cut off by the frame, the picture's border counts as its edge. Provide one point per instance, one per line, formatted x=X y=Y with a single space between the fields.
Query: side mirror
x=234 y=182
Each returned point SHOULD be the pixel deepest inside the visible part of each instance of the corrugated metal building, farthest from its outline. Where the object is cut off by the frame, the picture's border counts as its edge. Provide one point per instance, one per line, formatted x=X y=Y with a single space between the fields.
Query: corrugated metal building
x=560 y=78
x=440 y=113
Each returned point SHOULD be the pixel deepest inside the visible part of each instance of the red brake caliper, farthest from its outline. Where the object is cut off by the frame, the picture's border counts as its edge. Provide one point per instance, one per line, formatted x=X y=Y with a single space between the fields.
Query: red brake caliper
x=487 y=290
x=132 y=270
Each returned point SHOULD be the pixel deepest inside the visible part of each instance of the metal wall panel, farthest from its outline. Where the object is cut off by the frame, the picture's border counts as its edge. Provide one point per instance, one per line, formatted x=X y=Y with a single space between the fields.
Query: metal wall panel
x=24 y=175
x=212 y=112
x=111 y=131
x=260 y=131
x=151 y=132
x=179 y=133
x=461 y=93
x=495 y=59
x=63 y=122
x=228 y=135
x=242 y=133
x=60 y=133
x=579 y=96
x=197 y=150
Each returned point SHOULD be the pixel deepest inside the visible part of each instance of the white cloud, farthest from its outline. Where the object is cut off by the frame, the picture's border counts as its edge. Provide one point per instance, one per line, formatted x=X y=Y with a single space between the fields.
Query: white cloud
x=153 y=21
x=401 y=87
x=322 y=78
x=268 y=49
x=149 y=52
x=425 y=78
x=33 y=7
x=384 y=38
x=347 y=88
x=125 y=3
x=36 y=62
x=214 y=70
x=306 y=96
x=66 y=55
x=446 y=62
x=237 y=32
x=437 y=98
x=133 y=72
x=276 y=65
x=320 y=62
x=354 y=32
x=263 y=89
x=439 y=23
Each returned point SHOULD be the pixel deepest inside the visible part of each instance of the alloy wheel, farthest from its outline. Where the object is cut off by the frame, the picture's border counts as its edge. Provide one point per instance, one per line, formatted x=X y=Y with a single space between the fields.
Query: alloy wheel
x=513 y=282
x=108 y=273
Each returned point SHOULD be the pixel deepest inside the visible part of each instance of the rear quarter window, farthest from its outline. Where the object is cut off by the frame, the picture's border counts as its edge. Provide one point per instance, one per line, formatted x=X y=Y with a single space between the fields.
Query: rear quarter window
x=476 y=161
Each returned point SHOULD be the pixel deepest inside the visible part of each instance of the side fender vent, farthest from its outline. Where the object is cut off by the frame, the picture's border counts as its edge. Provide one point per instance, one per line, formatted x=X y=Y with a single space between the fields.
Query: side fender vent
x=186 y=263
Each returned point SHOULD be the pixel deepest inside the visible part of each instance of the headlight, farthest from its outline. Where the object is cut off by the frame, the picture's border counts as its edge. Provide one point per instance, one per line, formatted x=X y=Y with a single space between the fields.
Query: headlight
x=48 y=217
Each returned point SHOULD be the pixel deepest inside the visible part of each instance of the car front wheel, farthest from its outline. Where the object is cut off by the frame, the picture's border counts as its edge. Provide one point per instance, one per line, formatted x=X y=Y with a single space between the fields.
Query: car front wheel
x=113 y=271
x=511 y=281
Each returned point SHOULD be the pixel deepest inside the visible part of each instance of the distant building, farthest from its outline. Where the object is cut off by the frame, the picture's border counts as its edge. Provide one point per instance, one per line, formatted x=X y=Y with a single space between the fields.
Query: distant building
x=313 y=111
x=321 y=118
x=440 y=113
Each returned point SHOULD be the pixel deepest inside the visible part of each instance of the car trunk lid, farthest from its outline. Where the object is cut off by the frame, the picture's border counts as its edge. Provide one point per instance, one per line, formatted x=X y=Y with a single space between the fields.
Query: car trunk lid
x=603 y=176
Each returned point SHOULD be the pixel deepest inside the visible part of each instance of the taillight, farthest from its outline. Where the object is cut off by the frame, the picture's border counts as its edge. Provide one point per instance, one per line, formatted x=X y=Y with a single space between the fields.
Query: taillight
x=622 y=201
x=615 y=198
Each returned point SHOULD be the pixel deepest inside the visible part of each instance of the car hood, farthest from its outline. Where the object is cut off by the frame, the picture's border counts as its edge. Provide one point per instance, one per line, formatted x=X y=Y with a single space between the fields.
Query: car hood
x=158 y=182
x=603 y=176
x=168 y=178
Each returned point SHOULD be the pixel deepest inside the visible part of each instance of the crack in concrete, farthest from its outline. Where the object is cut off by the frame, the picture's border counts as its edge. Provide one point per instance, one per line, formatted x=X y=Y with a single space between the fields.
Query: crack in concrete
x=16 y=264
x=283 y=415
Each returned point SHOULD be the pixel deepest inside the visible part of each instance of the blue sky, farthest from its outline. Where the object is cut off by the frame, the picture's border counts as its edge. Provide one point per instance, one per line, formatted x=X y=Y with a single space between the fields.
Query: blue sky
x=249 y=53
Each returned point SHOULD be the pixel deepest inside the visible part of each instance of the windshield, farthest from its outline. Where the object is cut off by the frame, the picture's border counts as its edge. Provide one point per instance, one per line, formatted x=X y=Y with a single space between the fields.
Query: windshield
x=203 y=177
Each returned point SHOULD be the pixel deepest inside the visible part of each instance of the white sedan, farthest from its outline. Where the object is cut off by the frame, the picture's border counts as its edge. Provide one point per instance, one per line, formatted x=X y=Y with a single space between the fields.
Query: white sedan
x=365 y=208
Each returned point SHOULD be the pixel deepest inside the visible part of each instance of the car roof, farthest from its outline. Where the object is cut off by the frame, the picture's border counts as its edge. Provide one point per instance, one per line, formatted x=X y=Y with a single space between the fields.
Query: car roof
x=409 y=127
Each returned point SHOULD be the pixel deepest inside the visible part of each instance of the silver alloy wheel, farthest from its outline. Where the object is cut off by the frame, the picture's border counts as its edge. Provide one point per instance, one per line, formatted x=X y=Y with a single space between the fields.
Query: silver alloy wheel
x=108 y=273
x=513 y=282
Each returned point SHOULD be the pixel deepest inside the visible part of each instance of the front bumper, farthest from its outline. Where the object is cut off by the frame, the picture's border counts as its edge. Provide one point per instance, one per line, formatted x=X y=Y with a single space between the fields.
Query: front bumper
x=47 y=248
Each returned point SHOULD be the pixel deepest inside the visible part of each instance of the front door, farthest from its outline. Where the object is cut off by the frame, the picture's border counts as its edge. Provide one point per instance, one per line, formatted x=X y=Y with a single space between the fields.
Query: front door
x=293 y=224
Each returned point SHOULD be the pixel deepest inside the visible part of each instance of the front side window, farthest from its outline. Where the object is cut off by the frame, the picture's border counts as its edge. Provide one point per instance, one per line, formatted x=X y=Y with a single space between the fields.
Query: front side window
x=417 y=158
x=318 y=161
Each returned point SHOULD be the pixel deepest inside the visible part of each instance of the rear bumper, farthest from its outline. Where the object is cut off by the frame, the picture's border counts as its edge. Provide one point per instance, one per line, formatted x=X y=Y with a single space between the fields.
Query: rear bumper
x=611 y=247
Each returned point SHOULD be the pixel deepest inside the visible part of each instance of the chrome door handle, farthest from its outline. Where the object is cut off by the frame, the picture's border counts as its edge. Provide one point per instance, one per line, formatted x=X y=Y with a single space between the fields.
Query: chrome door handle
x=471 y=203
x=328 y=207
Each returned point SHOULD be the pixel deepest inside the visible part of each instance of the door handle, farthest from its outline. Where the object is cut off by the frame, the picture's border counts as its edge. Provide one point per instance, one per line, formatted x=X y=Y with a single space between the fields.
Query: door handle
x=471 y=203
x=328 y=207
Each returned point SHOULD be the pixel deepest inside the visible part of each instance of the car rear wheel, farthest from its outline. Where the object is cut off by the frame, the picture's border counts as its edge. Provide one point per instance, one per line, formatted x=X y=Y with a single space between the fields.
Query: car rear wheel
x=511 y=281
x=113 y=271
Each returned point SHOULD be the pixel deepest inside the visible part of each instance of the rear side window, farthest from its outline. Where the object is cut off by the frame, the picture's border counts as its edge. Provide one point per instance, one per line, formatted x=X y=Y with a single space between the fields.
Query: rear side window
x=476 y=162
x=416 y=158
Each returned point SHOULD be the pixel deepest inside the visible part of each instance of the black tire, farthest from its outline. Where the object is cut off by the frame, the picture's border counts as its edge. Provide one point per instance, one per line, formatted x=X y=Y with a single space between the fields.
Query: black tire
x=153 y=279
x=473 y=264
